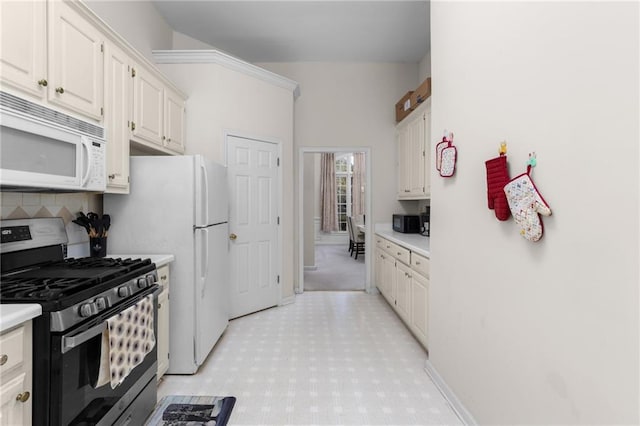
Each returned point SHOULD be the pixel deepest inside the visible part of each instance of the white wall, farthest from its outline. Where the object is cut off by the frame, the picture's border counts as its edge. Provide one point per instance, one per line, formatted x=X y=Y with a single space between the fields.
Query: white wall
x=310 y=195
x=138 y=22
x=220 y=99
x=424 y=67
x=546 y=332
x=352 y=105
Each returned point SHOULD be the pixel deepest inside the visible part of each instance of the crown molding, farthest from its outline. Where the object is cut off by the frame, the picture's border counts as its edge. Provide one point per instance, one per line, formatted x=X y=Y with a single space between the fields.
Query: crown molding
x=217 y=57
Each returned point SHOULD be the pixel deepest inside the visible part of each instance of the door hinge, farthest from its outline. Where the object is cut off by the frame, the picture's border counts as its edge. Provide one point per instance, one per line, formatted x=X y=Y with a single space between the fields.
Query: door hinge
x=133 y=125
x=278 y=279
x=133 y=72
x=128 y=179
x=102 y=48
x=168 y=355
x=101 y=111
x=278 y=220
x=423 y=154
x=278 y=162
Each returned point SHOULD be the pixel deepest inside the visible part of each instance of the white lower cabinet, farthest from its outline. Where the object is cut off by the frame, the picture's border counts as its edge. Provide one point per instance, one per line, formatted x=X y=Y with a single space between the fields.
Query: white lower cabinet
x=15 y=376
x=403 y=279
x=163 y=321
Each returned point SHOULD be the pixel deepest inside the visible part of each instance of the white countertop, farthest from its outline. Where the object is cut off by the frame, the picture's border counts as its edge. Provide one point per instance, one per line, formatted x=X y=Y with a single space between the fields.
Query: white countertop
x=158 y=259
x=15 y=314
x=414 y=242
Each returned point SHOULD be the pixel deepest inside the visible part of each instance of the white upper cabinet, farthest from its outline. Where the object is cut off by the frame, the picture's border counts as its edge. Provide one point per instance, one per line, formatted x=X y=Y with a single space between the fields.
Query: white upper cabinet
x=148 y=112
x=23 y=47
x=158 y=113
x=76 y=61
x=63 y=66
x=412 y=136
x=117 y=118
x=174 y=121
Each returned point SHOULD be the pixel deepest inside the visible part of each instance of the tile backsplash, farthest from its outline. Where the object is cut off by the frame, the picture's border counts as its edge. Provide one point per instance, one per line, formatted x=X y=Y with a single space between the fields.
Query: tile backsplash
x=24 y=205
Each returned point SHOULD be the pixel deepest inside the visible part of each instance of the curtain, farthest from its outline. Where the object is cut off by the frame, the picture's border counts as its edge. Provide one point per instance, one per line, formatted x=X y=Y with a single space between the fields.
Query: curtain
x=357 y=188
x=329 y=215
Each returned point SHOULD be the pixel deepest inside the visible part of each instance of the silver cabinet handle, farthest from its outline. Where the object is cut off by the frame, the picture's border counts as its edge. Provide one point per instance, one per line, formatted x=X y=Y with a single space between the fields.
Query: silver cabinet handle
x=71 y=342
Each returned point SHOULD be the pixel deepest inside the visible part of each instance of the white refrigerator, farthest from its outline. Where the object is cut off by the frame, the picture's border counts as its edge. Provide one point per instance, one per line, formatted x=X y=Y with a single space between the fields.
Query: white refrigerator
x=179 y=205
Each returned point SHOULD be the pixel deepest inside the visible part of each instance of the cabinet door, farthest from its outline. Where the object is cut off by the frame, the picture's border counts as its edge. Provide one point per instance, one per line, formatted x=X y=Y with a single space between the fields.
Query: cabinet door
x=148 y=107
x=163 y=333
x=404 y=164
x=174 y=122
x=389 y=278
x=420 y=307
x=12 y=410
x=416 y=156
x=378 y=270
x=427 y=150
x=76 y=63
x=118 y=102
x=403 y=291
x=23 y=46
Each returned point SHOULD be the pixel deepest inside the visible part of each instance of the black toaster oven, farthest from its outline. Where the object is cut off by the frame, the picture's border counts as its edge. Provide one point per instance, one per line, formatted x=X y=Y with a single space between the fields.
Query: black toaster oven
x=406 y=223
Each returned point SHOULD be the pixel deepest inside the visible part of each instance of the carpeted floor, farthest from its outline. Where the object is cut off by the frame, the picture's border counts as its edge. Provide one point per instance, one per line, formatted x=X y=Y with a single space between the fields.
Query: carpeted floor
x=336 y=270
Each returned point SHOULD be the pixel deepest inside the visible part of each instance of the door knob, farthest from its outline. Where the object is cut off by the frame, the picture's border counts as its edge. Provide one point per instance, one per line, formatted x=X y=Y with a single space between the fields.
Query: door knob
x=233 y=237
x=59 y=90
x=42 y=82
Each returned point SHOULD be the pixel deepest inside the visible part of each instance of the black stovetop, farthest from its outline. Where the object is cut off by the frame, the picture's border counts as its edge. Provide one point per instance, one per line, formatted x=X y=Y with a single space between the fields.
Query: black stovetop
x=60 y=284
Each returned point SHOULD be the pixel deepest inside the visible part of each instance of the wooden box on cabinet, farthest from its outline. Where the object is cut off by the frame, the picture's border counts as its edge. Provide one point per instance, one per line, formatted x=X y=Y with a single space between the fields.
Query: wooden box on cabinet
x=422 y=93
x=404 y=107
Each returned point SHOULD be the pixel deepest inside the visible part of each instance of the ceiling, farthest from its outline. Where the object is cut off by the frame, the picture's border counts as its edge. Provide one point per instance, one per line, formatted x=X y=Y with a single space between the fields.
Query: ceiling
x=295 y=31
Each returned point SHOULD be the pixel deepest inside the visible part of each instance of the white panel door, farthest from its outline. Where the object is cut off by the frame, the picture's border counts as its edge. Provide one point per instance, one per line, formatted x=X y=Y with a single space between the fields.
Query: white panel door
x=148 y=109
x=253 y=224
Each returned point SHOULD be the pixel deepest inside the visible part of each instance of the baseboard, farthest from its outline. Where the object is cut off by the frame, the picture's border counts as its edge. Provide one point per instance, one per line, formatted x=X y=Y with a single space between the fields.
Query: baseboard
x=287 y=300
x=311 y=268
x=460 y=410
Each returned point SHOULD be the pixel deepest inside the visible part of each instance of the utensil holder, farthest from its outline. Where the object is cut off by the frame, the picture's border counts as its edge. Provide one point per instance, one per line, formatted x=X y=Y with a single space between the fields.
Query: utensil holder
x=98 y=246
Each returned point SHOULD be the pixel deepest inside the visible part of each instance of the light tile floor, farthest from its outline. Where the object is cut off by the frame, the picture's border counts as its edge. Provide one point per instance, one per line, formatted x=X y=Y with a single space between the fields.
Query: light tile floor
x=330 y=358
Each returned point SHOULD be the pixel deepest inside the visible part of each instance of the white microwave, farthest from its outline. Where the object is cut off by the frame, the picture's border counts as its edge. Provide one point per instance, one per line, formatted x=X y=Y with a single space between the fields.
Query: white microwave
x=44 y=149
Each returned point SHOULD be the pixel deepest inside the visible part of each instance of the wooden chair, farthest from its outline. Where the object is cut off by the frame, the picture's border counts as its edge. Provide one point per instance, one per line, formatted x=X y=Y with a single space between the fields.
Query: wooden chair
x=350 y=231
x=357 y=237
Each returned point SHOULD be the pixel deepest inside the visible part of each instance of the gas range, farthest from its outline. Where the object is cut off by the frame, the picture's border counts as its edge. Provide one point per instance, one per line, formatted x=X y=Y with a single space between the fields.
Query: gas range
x=78 y=298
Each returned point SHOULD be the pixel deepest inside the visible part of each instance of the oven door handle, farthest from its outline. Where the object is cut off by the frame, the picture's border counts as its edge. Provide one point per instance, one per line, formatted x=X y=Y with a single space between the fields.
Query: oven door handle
x=70 y=342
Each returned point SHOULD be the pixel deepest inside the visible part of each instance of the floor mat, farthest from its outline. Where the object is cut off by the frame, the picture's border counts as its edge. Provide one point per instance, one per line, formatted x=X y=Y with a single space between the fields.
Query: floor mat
x=188 y=410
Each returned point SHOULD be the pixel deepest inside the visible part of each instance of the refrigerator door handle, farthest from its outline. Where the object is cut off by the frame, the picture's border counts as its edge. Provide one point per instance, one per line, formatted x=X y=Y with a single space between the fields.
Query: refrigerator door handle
x=205 y=196
x=204 y=262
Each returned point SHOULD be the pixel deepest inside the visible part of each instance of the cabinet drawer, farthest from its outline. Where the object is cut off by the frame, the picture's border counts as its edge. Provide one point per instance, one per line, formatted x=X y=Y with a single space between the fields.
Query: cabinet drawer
x=11 y=349
x=163 y=276
x=381 y=243
x=420 y=264
x=401 y=253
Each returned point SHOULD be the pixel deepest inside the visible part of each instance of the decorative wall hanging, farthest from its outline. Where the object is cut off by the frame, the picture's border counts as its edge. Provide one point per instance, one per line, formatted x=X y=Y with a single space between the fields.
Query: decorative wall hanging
x=497 y=178
x=526 y=203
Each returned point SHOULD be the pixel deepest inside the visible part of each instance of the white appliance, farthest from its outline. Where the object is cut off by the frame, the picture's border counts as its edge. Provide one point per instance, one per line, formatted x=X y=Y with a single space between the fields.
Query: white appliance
x=179 y=205
x=48 y=150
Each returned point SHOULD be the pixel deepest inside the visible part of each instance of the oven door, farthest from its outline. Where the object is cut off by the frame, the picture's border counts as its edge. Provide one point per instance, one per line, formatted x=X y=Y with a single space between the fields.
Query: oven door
x=75 y=366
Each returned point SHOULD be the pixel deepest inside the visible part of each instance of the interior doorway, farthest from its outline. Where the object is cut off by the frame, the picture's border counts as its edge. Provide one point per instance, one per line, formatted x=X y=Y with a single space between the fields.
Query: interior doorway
x=325 y=259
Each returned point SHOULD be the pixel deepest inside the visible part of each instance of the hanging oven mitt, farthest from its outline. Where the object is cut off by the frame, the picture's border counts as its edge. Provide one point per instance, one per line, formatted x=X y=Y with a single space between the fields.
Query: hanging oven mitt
x=526 y=205
x=448 y=156
x=497 y=178
x=439 y=147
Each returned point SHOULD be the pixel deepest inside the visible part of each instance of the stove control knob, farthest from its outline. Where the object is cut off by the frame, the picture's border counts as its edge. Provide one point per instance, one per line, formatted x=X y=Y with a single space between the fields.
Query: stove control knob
x=151 y=280
x=86 y=310
x=101 y=304
x=142 y=282
x=123 y=291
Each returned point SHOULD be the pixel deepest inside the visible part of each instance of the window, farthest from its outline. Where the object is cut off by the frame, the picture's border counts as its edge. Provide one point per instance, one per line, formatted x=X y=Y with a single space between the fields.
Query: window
x=344 y=176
